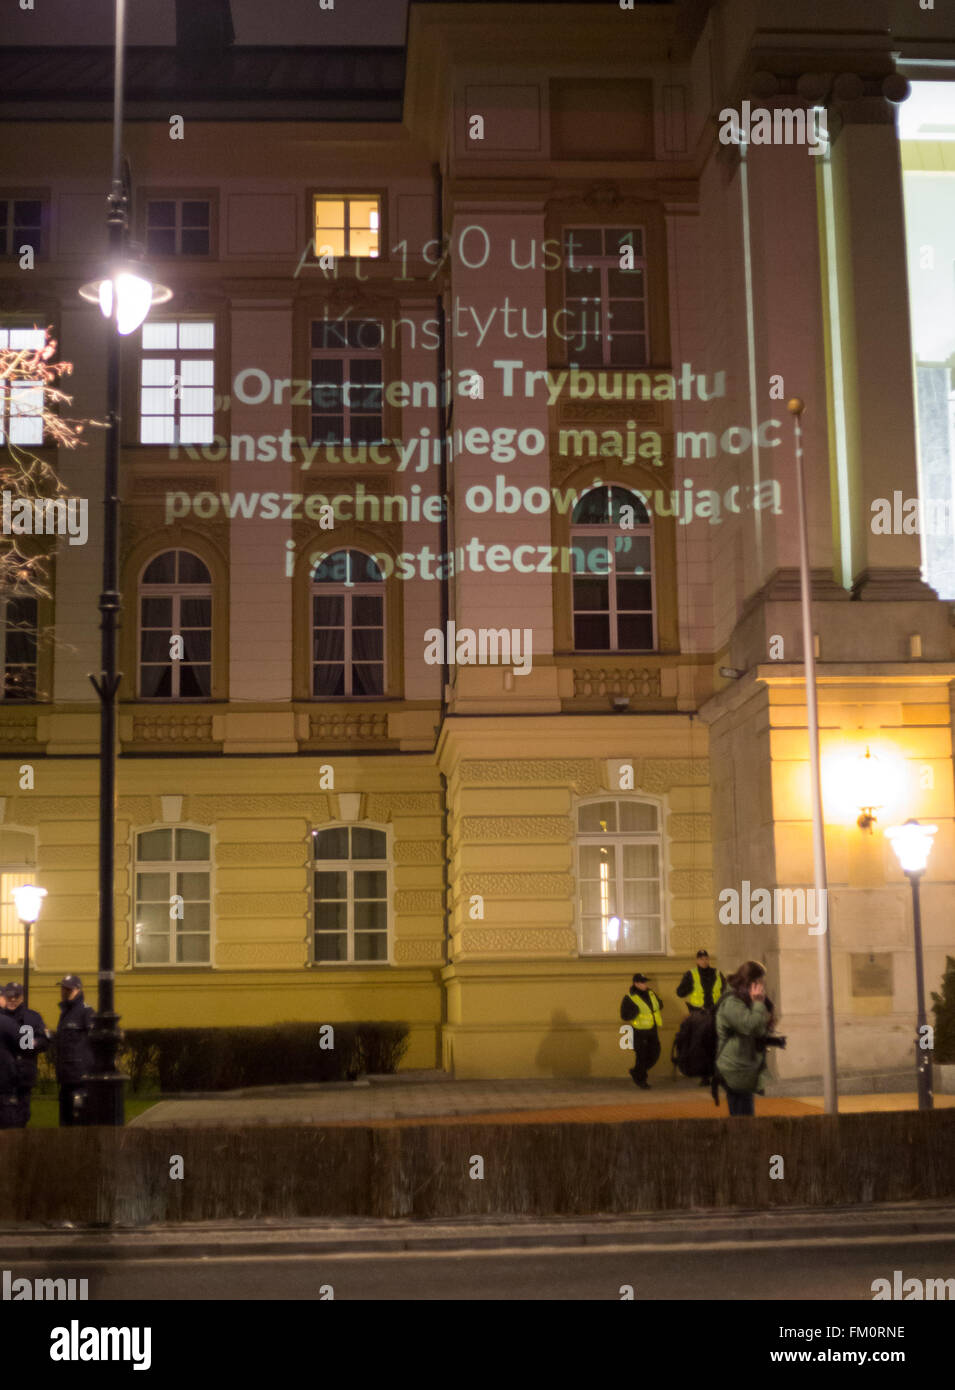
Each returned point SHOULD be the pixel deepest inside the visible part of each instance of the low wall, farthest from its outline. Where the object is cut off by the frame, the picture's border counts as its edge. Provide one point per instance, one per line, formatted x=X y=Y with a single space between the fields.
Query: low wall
x=122 y=1177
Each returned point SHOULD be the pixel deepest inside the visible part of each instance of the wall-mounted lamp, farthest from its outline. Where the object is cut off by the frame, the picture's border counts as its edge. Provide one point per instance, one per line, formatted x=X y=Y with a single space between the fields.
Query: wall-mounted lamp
x=869 y=785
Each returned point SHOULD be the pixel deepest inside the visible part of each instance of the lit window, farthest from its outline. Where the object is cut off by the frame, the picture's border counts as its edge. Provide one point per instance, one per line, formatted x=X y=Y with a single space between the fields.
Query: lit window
x=347 y=381
x=177 y=383
x=21 y=224
x=21 y=402
x=348 y=626
x=11 y=928
x=606 y=306
x=173 y=899
x=613 y=590
x=347 y=226
x=175 y=628
x=351 y=894
x=620 y=890
x=18 y=639
x=178 y=227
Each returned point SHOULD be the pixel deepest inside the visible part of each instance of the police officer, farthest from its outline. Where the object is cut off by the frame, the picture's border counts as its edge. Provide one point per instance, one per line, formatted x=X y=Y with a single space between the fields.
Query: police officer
x=33 y=1038
x=643 y=1011
x=9 y=1047
x=702 y=986
x=74 y=1056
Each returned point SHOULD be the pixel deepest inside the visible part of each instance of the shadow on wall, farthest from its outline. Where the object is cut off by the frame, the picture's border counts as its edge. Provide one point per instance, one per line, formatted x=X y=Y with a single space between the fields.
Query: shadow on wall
x=566 y=1050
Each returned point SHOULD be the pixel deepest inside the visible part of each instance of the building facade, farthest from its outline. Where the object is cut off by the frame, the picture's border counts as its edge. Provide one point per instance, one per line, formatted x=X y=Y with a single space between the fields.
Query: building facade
x=461 y=641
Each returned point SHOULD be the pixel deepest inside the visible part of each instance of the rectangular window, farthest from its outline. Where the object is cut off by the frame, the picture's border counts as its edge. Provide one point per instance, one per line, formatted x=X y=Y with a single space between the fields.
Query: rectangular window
x=347 y=381
x=605 y=295
x=18 y=641
x=21 y=402
x=21 y=224
x=11 y=928
x=173 y=897
x=178 y=227
x=177 y=383
x=346 y=226
x=351 y=895
x=619 y=881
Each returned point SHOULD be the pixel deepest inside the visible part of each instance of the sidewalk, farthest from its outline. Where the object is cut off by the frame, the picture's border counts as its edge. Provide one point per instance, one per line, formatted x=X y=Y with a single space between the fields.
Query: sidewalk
x=410 y=1098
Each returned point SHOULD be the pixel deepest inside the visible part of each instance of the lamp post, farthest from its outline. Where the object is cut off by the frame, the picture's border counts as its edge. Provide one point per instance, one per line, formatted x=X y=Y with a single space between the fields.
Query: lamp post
x=912 y=843
x=29 y=899
x=823 y=953
x=125 y=295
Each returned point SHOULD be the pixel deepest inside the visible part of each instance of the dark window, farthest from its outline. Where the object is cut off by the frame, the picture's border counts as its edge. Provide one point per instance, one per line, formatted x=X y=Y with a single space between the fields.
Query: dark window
x=175 y=628
x=612 y=557
x=178 y=226
x=347 y=381
x=606 y=305
x=348 y=626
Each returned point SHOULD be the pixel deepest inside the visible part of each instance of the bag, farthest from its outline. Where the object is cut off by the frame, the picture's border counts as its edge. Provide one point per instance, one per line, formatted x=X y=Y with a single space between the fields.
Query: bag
x=628 y=1009
x=694 y=1047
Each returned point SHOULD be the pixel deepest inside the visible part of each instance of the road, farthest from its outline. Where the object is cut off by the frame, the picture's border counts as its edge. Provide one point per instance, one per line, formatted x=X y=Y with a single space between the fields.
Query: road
x=801 y=1256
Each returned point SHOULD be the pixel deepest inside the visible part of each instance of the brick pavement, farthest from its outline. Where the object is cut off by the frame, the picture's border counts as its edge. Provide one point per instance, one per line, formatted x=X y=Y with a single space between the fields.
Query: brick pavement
x=400 y=1101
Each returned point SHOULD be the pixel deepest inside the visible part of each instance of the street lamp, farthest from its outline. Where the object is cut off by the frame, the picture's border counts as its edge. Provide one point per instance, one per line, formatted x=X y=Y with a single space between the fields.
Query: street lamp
x=912 y=843
x=796 y=406
x=134 y=291
x=125 y=295
x=29 y=899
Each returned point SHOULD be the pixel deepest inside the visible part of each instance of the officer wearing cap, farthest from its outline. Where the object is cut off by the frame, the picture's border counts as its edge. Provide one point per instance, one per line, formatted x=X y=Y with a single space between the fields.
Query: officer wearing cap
x=33 y=1037
x=702 y=986
x=74 y=1056
x=643 y=1011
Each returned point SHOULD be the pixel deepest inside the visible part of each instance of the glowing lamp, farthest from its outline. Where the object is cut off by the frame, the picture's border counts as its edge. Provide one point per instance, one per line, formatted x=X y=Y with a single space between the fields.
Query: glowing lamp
x=135 y=295
x=870 y=786
x=29 y=900
x=912 y=843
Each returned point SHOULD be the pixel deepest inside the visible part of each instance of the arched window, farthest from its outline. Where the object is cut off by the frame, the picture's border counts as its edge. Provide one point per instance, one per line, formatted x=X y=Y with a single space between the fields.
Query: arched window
x=173 y=897
x=613 y=590
x=175 y=628
x=348 y=625
x=351 y=894
x=619 y=877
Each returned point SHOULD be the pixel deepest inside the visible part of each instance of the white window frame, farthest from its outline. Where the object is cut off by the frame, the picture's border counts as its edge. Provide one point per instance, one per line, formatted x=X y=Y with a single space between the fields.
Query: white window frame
x=349 y=867
x=177 y=592
x=347 y=199
x=170 y=386
x=347 y=355
x=619 y=838
x=345 y=589
x=591 y=530
x=11 y=928
x=21 y=401
x=4 y=697
x=172 y=867
x=603 y=264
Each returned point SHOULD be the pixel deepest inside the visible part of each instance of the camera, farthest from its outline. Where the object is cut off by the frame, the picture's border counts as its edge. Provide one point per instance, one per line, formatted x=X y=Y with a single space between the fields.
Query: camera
x=763 y=1043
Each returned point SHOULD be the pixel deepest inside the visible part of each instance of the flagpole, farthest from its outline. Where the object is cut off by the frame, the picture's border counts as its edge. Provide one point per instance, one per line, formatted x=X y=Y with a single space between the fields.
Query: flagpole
x=824 y=955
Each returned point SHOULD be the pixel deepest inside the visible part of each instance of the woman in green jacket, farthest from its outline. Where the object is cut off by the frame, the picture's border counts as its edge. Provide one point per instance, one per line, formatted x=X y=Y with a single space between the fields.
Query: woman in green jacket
x=744 y=1016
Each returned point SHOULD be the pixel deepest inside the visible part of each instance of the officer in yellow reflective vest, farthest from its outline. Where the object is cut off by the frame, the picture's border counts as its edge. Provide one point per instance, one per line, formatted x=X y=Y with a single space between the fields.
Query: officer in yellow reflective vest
x=702 y=986
x=643 y=1011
